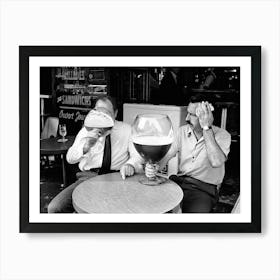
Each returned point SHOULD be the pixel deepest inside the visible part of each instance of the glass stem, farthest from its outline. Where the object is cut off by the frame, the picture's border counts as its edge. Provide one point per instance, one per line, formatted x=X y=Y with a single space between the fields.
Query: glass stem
x=155 y=176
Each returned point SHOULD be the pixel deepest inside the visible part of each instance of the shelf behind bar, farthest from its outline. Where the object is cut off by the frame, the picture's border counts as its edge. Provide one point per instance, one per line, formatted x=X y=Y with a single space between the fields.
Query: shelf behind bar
x=198 y=90
x=46 y=96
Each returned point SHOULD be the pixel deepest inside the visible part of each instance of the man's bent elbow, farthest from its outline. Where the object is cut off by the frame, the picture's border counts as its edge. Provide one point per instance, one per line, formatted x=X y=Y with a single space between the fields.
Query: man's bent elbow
x=216 y=163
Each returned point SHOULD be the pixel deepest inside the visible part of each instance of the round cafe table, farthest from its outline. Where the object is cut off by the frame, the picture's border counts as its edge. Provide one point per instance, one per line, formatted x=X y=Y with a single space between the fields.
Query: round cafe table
x=109 y=193
x=51 y=146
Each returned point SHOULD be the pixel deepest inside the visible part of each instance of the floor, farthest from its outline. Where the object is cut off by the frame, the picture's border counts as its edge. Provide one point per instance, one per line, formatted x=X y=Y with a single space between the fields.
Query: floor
x=50 y=186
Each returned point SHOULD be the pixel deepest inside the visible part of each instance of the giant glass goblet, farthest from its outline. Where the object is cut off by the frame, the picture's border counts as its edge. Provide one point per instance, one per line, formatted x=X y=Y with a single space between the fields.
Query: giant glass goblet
x=152 y=135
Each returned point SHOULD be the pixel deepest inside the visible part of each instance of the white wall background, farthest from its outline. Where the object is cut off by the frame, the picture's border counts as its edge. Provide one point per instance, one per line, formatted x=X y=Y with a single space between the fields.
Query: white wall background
x=138 y=256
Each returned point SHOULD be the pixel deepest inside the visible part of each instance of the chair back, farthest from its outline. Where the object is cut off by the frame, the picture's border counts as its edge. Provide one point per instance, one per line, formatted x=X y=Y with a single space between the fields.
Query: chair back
x=236 y=207
x=50 y=128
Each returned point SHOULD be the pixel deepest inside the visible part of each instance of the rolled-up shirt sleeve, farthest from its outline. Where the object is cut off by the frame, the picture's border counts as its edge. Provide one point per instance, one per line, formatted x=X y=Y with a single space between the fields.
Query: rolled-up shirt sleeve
x=223 y=139
x=75 y=152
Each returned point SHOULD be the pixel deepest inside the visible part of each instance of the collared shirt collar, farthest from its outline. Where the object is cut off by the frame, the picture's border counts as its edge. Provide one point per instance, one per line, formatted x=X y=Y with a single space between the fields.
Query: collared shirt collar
x=190 y=130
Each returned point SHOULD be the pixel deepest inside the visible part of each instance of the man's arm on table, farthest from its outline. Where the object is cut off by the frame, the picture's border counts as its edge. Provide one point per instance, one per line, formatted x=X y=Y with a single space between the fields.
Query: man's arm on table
x=134 y=164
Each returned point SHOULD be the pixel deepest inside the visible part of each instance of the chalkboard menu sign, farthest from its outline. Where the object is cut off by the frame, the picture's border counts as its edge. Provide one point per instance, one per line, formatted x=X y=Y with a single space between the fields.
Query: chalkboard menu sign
x=76 y=94
x=73 y=109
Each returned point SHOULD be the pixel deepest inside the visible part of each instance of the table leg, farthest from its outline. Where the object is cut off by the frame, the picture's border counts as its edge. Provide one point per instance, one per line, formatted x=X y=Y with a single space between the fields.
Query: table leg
x=63 y=170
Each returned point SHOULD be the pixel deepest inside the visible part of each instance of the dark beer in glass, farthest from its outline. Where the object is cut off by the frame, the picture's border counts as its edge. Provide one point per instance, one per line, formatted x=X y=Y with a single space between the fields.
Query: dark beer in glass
x=152 y=148
x=152 y=136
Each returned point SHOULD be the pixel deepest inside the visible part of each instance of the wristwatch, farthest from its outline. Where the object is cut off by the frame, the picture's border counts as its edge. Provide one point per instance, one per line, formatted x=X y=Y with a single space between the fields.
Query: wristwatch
x=206 y=127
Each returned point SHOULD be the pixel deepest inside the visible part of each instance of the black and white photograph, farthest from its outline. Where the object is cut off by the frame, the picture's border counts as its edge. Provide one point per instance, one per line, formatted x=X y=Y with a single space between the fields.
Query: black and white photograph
x=151 y=136
x=191 y=115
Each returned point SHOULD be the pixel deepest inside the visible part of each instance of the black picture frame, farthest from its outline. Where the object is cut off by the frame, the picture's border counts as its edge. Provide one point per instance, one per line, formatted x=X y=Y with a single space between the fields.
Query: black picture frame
x=254 y=52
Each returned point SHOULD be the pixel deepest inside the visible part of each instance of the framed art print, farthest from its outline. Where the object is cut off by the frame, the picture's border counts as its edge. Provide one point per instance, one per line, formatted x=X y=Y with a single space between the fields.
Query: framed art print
x=60 y=87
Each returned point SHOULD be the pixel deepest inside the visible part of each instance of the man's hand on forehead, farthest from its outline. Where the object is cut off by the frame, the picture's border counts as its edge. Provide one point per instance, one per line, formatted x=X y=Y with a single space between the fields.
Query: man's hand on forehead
x=204 y=114
x=204 y=107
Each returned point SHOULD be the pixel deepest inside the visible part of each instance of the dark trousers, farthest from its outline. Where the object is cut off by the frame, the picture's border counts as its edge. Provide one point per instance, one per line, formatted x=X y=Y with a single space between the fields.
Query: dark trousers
x=199 y=197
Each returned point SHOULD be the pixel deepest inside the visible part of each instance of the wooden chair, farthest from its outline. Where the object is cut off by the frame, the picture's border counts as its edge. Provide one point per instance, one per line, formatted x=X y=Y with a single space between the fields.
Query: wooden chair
x=236 y=207
x=49 y=130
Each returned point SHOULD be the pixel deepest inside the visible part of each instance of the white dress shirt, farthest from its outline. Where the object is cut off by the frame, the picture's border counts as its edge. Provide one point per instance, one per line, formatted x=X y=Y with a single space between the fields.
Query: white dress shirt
x=122 y=150
x=193 y=159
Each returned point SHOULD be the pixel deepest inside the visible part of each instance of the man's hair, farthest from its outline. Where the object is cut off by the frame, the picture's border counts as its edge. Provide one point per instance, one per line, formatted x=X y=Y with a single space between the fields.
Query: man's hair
x=199 y=98
x=110 y=99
